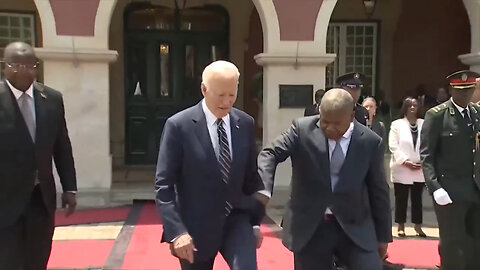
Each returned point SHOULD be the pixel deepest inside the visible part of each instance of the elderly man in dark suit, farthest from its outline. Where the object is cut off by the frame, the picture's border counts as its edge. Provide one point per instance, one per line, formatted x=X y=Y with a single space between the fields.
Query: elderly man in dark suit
x=339 y=202
x=32 y=132
x=207 y=179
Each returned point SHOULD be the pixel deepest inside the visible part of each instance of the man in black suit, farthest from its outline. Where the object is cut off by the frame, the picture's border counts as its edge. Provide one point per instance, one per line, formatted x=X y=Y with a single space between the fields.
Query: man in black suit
x=353 y=84
x=313 y=109
x=32 y=132
x=339 y=202
x=206 y=179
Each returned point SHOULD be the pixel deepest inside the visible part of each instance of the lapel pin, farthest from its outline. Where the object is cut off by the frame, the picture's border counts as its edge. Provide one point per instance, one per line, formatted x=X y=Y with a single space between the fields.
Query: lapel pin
x=43 y=95
x=237 y=126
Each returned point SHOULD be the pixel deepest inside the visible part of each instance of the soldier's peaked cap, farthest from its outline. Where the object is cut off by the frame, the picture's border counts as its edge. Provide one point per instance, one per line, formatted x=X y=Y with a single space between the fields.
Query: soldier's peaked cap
x=352 y=80
x=463 y=79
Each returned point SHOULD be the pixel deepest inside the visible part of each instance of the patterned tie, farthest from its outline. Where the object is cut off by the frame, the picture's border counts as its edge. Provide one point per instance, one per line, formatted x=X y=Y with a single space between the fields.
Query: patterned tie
x=224 y=158
x=24 y=103
x=336 y=162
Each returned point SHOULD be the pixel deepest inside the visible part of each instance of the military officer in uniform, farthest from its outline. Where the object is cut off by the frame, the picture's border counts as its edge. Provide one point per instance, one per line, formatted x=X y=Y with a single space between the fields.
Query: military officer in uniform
x=353 y=83
x=451 y=163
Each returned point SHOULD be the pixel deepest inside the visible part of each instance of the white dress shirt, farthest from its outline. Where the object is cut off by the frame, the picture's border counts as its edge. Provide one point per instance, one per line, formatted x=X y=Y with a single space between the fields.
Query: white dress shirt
x=212 y=129
x=344 y=144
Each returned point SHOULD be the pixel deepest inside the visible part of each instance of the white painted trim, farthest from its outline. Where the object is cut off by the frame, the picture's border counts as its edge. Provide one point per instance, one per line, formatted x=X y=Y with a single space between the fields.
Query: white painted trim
x=323 y=19
x=470 y=59
x=270 y=25
x=82 y=55
x=264 y=59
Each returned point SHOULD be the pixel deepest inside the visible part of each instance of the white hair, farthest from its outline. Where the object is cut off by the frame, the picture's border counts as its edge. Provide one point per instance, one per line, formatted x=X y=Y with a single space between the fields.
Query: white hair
x=219 y=67
x=336 y=100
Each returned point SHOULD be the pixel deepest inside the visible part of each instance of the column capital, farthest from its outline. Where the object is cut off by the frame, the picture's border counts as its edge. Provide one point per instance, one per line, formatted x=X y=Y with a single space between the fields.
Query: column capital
x=470 y=59
x=286 y=59
x=81 y=55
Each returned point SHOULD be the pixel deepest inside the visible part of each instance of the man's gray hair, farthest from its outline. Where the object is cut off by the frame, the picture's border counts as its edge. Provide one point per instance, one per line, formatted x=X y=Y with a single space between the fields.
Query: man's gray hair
x=336 y=100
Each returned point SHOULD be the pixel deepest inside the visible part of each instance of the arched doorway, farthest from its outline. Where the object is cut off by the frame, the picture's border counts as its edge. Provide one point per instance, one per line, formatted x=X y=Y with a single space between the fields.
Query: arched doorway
x=165 y=53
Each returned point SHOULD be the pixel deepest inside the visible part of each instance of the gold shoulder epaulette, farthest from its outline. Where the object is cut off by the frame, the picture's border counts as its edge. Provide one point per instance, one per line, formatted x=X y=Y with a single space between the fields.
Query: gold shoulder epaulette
x=439 y=108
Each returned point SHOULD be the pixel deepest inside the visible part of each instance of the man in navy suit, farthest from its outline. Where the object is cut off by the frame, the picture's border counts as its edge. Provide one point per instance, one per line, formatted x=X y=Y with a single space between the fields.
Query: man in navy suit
x=339 y=202
x=206 y=179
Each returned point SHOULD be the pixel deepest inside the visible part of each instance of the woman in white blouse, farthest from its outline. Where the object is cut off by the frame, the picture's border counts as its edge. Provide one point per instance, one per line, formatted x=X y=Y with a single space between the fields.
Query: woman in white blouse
x=405 y=165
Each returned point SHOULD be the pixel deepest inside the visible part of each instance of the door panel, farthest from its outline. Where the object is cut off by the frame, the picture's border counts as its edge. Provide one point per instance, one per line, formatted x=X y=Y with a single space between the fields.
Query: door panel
x=163 y=73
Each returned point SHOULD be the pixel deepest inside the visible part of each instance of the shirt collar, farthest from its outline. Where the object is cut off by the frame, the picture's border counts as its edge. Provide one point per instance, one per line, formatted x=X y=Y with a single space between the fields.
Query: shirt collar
x=460 y=109
x=349 y=132
x=211 y=118
x=17 y=93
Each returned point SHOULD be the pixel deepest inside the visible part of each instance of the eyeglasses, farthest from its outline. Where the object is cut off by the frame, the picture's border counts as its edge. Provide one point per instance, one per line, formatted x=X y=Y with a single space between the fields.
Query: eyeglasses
x=17 y=66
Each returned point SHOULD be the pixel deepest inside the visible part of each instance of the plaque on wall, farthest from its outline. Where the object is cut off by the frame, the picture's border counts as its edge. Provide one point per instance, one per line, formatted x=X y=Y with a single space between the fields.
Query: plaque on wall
x=296 y=96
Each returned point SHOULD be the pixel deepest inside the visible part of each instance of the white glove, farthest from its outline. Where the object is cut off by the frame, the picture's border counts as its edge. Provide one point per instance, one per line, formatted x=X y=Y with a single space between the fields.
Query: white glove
x=441 y=197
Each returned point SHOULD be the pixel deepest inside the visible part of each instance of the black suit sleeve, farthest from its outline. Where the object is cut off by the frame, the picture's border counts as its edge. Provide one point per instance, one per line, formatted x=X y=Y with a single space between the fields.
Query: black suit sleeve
x=252 y=182
x=429 y=140
x=379 y=196
x=280 y=149
x=62 y=154
x=168 y=172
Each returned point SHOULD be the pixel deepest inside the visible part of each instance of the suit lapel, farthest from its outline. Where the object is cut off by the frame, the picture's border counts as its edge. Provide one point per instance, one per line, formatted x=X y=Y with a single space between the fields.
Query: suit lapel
x=235 y=131
x=7 y=107
x=40 y=112
x=204 y=136
x=12 y=110
x=354 y=148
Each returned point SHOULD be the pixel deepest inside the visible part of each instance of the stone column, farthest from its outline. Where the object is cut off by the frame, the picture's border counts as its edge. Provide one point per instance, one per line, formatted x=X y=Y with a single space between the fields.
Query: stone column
x=472 y=59
x=76 y=62
x=294 y=54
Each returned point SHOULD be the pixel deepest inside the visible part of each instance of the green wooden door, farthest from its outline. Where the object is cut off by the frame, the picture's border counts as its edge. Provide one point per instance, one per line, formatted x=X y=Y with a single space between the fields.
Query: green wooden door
x=163 y=71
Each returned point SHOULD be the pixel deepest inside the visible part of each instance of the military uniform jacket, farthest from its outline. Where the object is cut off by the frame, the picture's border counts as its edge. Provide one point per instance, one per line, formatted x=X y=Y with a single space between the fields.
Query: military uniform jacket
x=449 y=152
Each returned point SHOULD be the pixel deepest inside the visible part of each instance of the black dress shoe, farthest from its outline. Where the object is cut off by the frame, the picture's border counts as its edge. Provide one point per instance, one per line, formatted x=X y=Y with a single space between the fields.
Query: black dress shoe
x=421 y=234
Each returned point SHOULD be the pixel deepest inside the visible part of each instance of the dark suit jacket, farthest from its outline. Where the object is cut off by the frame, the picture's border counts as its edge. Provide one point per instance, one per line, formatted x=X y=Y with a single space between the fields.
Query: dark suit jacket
x=379 y=128
x=21 y=159
x=360 y=201
x=311 y=110
x=191 y=196
x=361 y=114
x=450 y=159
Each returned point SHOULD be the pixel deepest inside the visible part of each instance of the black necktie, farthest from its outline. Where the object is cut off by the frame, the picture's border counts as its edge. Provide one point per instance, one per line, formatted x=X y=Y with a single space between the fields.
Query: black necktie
x=224 y=158
x=467 y=118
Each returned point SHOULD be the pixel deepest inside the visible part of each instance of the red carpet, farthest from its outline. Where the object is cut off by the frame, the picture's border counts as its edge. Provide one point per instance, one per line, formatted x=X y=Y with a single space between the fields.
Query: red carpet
x=145 y=252
x=92 y=216
x=79 y=254
x=414 y=253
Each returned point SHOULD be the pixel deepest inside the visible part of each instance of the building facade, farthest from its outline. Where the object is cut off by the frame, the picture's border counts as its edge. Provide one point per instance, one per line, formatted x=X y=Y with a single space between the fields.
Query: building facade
x=125 y=66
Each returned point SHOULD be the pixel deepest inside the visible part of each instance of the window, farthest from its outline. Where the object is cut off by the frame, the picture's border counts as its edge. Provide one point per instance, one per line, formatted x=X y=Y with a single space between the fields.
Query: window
x=16 y=27
x=356 y=47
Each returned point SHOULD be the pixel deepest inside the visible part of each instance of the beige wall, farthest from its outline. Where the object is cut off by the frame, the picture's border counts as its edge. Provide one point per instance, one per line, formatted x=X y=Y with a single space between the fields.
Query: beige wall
x=387 y=14
x=239 y=12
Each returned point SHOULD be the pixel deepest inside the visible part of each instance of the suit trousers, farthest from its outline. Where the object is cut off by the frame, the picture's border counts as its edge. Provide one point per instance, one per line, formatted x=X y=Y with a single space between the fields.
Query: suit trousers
x=459 y=225
x=238 y=247
x=330 y=239
x=27 y=244
x=401 y=202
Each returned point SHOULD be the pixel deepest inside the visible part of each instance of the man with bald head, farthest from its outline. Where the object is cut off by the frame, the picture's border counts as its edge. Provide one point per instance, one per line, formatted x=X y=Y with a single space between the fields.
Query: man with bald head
x=33 y=131
x=339 y=202
x=206 y=179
